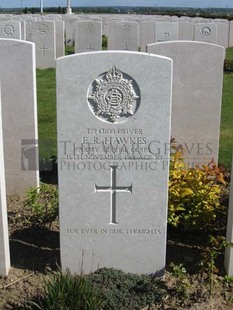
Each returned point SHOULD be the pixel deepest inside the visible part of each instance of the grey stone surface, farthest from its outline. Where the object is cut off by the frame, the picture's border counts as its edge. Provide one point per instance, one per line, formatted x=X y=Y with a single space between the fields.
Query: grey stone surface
x=113 y=114
x=19 y=108
x=88 y=36
x=205 y=32
x=166 y=31
x=185 y=31
x=10 y=30
x=104 y=25
x=70 y=29
x=4 y=236
x=231 y=34
x=147 y=34
x=197 y=96
x=228 y=263
x=28 y=30
x=44 y=36
x=111 y=34
x=60 y=38
x=222 y=34
x=127 y=35
x=23 y=30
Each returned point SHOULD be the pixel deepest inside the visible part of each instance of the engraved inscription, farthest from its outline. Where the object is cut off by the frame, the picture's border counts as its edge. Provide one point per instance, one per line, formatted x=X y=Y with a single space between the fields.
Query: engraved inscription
x=113 y=189
x=9 y=30
x=114 y=96
x=43 y=29
x=206 y=31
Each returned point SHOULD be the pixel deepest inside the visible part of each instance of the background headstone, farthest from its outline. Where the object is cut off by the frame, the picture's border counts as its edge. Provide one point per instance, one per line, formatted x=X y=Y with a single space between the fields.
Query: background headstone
x=10 y=30
x=126 y=37
x=43 y=35
x=23 y=30
x=70 y=30
x=113 y=189
x=88 y=36
x=28 y=30
x=112 y=35
x=4 y=236
x=19 y=110
x=205 y=32
x=196 y=96
x=60 y=38
x=147 y=34
x=166 y=31
x=231 y=34
x=185 y=31
x=223 y=34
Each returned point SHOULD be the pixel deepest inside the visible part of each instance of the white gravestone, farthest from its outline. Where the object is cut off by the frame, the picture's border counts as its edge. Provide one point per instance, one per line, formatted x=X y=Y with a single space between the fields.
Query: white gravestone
x=70 y=30
x=23 y=30
x=19 y=110
x=104 y=25
x=147 y=34
x=113 y=110
x=126 y=37
x=60 y=38
x=43 y=35
x=197 y=97
x=228 y=263
x=185 y=31
x=4 y=238
x=205 y=32
x=231 y=34
x=111 y=34
x=10 y=30
x=166 y=32
x=29 y=24
x=223 y=34
x=88 y=36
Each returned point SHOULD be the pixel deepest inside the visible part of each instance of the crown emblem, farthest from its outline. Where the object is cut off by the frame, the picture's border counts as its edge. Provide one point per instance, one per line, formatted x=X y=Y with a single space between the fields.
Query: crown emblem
x=113 y=97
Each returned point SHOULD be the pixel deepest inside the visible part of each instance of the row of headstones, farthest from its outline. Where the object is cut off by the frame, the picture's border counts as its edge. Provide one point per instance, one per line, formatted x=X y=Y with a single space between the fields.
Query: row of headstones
x=108 y=18
x=49 y=36
x=113 y=116
x=218 y=31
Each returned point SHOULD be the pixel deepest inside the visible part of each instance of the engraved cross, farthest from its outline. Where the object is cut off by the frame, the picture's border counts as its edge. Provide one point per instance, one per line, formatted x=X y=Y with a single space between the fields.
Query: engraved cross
x=113 y=189
x=90 y=48
x=43 y=49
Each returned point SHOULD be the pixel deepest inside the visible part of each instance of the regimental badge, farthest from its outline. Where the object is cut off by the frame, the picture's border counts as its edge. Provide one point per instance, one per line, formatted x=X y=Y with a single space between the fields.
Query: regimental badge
x=206 y=31
x=114 y=96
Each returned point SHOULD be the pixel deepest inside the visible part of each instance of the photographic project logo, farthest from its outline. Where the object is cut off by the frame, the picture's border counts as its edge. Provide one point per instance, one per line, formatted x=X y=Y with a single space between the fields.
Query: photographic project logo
x=29 y=154
x=30 y=160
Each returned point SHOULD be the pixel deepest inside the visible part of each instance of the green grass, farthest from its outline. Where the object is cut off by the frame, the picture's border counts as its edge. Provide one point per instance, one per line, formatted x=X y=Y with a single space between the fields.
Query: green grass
x=226 y=136
x=229 y=53
x=70 y=50
x=46 y=96
x=46 y=93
